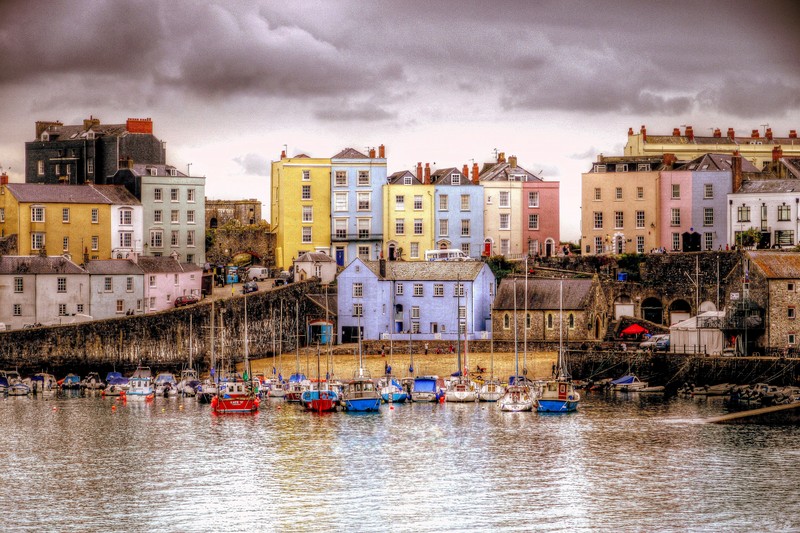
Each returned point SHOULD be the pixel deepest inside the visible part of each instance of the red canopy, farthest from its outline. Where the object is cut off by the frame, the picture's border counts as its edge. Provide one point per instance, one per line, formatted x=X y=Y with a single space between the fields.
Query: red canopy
x=633 y=329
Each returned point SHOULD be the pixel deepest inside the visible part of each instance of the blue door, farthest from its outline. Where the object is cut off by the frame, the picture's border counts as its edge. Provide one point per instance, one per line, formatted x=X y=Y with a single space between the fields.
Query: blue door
x=340 y=256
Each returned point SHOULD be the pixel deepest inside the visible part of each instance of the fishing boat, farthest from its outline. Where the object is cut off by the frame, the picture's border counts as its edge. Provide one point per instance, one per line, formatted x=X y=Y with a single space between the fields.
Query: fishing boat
x=165 y=384
x=426 y=389
x=236 y=393
x=44 y=384
x=189 y=382
x=628 y=383
x=70 y=382
x=92 y=381
x=320 y=397
x=460 y=388
x=393 y=392
x=360 y=393
x=140 y=384
x=16 y=385
x=558 y=395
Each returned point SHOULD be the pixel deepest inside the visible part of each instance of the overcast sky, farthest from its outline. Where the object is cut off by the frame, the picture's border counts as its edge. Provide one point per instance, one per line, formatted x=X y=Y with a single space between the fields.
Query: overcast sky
x=555 y=83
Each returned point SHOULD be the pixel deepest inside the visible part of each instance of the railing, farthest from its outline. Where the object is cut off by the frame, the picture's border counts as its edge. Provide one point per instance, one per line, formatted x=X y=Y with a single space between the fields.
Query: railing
x=343 y=237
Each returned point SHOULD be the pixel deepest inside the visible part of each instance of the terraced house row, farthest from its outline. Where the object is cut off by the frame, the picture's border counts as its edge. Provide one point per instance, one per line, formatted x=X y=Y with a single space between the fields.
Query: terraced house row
x=683 y=192
x=349 y=206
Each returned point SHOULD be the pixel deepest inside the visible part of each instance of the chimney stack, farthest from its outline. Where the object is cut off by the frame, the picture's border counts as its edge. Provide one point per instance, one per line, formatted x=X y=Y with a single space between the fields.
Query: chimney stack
x=754 y=134
x=769 y=133
x=382 y=152
x=3 y=179
x=382 y=267
x=717 y=133
x=690 y=132
x=669 y=160
x=777 y=153
x=475 y=173
x=501 y=157
x=419 y=171
x=736 y=171
x=676 y=132
x=134 y=125
x=465 y=171
x=283 y=154
x=427 y=174
x=630 y=132
x=793 y=134
x=644 y=133
x=731 y=133
x=512 y=161
x=372 y=153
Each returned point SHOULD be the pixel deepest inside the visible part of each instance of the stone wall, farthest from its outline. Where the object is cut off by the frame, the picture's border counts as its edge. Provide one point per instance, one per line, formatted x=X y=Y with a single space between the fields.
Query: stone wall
x=161 y=340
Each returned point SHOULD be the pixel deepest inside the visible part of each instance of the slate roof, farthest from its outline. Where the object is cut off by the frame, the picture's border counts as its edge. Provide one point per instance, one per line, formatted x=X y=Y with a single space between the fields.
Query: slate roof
x=722 y=141
x=78 y=131
x=143 y=169
x=504 y=171
x=769 y=186
x=18 y=264
x=792 y=165
x=349 y=153
x=113 y=266
x=166 y=265
x=777 y=265
x=75 y=194
x=312 y=257
x=543 y=294
x=444 y=176
x=428 y=270
x=715 y=162
x=397 y=178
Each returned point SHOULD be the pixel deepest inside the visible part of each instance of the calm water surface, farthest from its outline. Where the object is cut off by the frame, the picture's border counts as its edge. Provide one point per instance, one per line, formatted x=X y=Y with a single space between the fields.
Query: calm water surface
x=621 y=463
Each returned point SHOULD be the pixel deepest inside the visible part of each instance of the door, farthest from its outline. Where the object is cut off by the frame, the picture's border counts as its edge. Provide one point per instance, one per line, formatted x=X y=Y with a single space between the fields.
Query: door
x=548 y=249
x=340 y=256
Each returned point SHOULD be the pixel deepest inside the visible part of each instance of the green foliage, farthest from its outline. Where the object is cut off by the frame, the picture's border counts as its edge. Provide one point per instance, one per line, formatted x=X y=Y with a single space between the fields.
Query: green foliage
x=501 y=267
x=630 y=263
x=750 y=237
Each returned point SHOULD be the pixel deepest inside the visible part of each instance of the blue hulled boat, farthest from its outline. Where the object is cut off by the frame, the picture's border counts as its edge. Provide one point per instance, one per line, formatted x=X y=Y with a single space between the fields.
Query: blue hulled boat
x=558 y=395
x=393 y=392
x=426 y=389
x=71 y=381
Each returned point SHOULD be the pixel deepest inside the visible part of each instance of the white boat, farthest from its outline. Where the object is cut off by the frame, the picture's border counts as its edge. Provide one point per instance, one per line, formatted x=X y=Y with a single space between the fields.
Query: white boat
x=558 y=395
x=16 y=385
x=187 y=386
x=460 y=388
x=517 y=398
x=140 y=384
x=92 y=381
x=44 y=384
x=425 y=389
x=165 y=384
x=628 y=383
x=275 y=388
x=491 y=391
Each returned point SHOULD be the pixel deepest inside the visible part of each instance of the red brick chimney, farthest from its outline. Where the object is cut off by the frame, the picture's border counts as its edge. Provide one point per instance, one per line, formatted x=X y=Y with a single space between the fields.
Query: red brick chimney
x=283 y=154
x=382 y=152
x=644 y=133
x=777 y=153
x=630 y=132
x=427 y=174
x=676 y=132
x=754 y=134
x=769 y=134
x=139 y=125
x=736 y=170
x=717 y=133
x=690 y=132
x=465 y=171
x=372 y=153
x=793 y=134
x=419 y=171
x=3 y=179
x=475 y=173
x=669 y=160
x=731 y=133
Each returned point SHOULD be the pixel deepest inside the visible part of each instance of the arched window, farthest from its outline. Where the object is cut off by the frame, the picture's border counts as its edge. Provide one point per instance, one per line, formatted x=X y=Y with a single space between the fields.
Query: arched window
x=571 y=321
x=549 y=321
x=506 y=321
x=528 y=320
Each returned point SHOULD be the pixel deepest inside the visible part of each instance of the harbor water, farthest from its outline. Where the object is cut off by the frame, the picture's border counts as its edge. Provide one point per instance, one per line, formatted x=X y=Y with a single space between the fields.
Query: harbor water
x=621 y=463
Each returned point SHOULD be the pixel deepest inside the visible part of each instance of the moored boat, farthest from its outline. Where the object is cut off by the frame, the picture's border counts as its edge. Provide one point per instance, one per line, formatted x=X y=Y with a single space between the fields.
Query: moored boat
x=116 y=385
x=70 y=382
x=16 y=385
x=461 y=389
x=44 y=384
x=393 y=392
x=92 y=381
x=189 y=382
x=320 y=398
x=517 y=398
x=425 y=389
x=235 y=395
x=165 y=384
x=558 y=395
x=628 y=383
x=140 y=384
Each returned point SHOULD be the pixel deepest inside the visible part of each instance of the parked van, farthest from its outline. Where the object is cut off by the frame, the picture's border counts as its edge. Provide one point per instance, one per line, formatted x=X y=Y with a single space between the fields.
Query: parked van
x=257 y=273
x=446 y=255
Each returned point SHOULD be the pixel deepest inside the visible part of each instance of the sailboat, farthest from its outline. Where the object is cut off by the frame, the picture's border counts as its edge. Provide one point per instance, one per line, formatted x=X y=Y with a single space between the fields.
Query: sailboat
x=187 y=386
x=558 y=395
x=236 y=394
x=518 y=396
x=492 y=389
x=208 y=389
x=319 y=398
x=360 y=393
x=460 y=388
x=297 y=381
x=275 y=386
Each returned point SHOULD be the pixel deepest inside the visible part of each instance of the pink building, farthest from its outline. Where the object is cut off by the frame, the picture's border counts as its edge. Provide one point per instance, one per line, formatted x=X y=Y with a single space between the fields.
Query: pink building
x=675 y=201
x=541 y=217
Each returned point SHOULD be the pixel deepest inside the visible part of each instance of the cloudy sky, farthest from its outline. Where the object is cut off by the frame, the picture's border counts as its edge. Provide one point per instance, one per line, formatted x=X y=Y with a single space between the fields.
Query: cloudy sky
x=228 y=84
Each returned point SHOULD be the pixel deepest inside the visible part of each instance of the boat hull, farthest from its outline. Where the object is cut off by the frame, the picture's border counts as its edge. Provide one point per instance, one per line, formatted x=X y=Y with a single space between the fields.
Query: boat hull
x=319 y=401
x=223 y=405
x=396 y=397
x=557 y=406
x=363 y=404
x=423 y=397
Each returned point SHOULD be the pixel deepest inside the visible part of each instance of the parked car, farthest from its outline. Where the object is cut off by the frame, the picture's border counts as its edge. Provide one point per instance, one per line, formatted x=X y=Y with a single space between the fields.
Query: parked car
x=186 y=299
x=257 y=273
x=283 y=278
x=650 y=343
x=662 y=344
x=249 y=286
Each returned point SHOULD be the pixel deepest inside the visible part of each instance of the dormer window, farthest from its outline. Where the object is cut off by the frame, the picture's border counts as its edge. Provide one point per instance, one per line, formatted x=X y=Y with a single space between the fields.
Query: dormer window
x=600 y=168
x=153 y=171
x=90 y=135
x=173 y=172
x=407 y=180
x=45 y=136
x=455 y=179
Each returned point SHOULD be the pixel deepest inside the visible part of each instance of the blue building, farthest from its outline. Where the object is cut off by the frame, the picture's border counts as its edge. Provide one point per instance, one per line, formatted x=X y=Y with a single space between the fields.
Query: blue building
x=357 y=205
x=415 y=299
x=458 y=208
x=712 y=182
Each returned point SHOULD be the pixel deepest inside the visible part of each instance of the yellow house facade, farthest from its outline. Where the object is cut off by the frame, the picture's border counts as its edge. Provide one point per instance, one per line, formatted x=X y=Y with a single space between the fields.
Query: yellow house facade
x=300 y=207
x=408 y=217
x=57 y=219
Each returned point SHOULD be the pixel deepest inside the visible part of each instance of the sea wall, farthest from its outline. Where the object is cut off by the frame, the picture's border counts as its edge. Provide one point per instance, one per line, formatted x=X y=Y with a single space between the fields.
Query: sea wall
x=163 y=340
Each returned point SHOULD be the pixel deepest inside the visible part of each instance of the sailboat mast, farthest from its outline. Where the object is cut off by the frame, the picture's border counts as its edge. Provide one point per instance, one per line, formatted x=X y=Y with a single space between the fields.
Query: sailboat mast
x=525 y=323
x=297 y=334
x=560 y=325
x=516 y=327
x=246 y=367
x=213 y=345
x=458 y=321
x=190 y=341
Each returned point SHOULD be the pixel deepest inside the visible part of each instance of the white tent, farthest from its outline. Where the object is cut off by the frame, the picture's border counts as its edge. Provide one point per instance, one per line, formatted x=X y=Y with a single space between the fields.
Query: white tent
x=685 y=336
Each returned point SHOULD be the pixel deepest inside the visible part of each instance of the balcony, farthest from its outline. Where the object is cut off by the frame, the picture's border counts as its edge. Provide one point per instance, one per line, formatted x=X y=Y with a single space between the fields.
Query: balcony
x=356 y=237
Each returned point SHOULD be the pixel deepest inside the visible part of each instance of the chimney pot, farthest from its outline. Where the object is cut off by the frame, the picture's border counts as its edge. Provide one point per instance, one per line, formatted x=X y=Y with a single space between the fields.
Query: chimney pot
x=427 y=174
x=690 y=133
x=475 y=173
x=465 y=171
x=419 y=171
x=283 y=154
x=754 y=134
x=501 y=157
x=372 y=153
x=736 y=170
x=769 y=133
x=644 y=133
x=731 y=133
x=717 y=133
x=793 y=134
x=630 y=132
x=3 y=179
x=676 y=132
x=382 y=152
x=512 y=161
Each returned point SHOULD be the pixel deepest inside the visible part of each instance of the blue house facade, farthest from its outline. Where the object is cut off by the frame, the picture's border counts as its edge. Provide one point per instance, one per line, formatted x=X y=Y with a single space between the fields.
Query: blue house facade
x=458 y=211
x=357 y=205
x=416 y=300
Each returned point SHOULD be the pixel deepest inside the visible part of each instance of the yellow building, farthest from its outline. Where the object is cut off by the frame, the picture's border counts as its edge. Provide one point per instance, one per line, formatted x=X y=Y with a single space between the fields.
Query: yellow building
x=757 y=147
x=619 y=206
x=408 y=215
x=300 y=207
x=78 y=220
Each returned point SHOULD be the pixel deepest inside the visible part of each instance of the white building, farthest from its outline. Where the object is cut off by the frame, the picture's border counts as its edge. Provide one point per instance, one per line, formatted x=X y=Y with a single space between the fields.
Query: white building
x=165 y=279
x=315 y=265
x=770 y=206
x=117 y=288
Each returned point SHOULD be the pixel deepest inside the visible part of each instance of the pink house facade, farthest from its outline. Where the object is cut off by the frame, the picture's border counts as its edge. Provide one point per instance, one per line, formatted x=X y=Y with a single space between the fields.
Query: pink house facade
x=675 y=200
x=165 y=279
x=541 y=217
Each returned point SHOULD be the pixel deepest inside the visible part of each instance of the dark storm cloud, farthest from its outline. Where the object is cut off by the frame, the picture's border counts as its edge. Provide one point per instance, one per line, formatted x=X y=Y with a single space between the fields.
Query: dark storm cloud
x=349 y=111
x=253 y=164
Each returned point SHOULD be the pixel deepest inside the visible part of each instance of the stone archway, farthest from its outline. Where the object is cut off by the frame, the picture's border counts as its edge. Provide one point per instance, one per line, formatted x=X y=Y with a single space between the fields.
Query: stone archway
x=653 y=310
x=679 y=310
x=623 y=306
